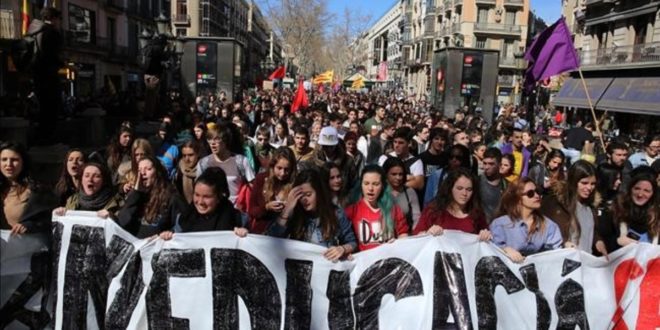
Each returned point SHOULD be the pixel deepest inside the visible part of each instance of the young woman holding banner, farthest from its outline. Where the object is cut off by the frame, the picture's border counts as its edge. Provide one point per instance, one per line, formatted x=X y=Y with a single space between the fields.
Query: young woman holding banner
x=212 y=210
x=153 y=206
x=26 y=207
x=456 y=206
x=95 y=192
x=376 y=218
x=310 y=216
x=521 y=229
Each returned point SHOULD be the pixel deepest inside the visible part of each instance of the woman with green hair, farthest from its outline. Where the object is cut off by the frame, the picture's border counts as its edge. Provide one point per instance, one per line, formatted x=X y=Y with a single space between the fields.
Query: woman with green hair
x=376 y=218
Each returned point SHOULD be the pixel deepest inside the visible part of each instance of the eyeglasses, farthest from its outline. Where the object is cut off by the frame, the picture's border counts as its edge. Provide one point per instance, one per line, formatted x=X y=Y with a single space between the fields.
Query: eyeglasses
x=532 y=193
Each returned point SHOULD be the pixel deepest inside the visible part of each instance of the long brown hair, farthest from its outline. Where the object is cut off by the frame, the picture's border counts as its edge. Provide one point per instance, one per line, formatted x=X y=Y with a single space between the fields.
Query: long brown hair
x=115 y=150
x=272 y=185
x=324 y=207
x=65 y=183
x=624 y=208
x=160 y=192
x=444 y=197
x=511 y=207
x=569 y=199
x=24 y=180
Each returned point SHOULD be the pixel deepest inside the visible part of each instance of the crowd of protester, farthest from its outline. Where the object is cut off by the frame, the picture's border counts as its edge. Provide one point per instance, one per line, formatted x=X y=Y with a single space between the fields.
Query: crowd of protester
x=351 y=172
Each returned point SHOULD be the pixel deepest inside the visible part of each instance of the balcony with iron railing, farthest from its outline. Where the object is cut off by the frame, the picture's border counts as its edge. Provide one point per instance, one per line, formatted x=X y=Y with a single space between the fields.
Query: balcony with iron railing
x=117 y=5
x=488 y=2
x=511 y=62
x=514 y=3
x=80 y=41
x=496 y=28
x=181 y=20
x=443 y=30
x=505 y=81
x=10 y=27
x=630 y=56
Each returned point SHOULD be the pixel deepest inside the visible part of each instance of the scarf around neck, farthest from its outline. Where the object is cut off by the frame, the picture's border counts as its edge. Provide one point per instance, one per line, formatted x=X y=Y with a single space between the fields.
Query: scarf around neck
x=96 y=201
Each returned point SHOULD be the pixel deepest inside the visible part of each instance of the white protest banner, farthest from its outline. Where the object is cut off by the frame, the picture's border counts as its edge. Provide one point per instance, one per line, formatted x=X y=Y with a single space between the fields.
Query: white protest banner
x=24 y=277
x=215 y=280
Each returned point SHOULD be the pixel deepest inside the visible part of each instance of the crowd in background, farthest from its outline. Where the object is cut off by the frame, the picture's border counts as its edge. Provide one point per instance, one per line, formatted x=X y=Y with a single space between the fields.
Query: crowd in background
x=352 y=172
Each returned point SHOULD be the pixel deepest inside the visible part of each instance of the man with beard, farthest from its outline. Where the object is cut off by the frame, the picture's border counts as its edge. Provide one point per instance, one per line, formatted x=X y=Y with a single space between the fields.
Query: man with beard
x=491 y=183
x=376 y=120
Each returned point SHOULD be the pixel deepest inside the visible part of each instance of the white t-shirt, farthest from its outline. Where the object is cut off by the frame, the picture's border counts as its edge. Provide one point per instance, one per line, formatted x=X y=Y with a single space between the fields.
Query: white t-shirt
x=237 y=168
x=416 y=169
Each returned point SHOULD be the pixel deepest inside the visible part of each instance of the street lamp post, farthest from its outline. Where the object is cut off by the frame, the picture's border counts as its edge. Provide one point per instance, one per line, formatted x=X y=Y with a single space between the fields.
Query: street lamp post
x=160 y=51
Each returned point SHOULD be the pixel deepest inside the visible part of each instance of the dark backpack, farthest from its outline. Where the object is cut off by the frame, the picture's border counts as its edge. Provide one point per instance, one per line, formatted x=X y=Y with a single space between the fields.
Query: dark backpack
x=25 y=51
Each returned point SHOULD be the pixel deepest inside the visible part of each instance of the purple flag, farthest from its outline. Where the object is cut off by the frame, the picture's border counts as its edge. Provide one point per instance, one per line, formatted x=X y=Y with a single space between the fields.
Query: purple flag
x=551 y=53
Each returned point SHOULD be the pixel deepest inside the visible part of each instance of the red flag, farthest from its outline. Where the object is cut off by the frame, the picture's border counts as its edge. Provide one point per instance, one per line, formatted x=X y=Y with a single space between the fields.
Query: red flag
x=279 y=73
x=300 y=100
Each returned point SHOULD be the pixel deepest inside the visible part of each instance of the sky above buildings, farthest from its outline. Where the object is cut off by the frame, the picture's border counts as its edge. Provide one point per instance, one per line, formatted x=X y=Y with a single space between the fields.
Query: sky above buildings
x=548 y=10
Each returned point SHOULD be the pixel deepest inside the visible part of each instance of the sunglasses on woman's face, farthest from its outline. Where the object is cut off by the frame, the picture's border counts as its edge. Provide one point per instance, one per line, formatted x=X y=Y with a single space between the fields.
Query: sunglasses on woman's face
x=532 y=193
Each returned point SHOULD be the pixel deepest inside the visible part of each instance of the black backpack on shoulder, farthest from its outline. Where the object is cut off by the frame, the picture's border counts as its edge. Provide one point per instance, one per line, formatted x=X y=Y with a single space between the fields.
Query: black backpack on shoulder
x=24 y=51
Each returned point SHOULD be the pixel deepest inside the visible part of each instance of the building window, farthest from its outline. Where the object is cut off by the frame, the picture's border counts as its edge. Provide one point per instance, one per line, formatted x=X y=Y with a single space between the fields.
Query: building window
x=508 y=49
x=112 y=34
x=483 y=15
x=510 y=18
x=182 y=7
x=82 y=24
x=180 y=32
x=481 y=43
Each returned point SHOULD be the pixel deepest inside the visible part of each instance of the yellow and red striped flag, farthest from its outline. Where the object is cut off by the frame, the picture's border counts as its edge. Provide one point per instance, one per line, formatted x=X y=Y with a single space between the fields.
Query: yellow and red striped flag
x=358 y=83
x=25 y=17
x=325 y=77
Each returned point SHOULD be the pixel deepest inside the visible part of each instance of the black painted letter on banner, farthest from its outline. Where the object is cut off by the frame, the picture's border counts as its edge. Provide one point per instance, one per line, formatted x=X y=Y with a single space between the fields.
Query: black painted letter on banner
x=84 y=275
x=389 y=276
x=165 y=264
x=543 y=313
x=117 y=254
x=490 y=273
x=450 y=292
x=239 y=274
x=569 y=301
x=298 y=312
x=122 y=307
x=340 y=313
x=37 y=279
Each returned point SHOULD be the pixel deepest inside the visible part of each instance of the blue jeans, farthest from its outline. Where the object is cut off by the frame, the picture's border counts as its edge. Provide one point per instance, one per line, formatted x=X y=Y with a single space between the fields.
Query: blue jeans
x=572 y=154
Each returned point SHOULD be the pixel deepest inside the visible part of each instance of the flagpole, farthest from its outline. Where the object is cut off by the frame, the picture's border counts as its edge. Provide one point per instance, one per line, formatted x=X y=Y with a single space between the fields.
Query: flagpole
x=593 y=112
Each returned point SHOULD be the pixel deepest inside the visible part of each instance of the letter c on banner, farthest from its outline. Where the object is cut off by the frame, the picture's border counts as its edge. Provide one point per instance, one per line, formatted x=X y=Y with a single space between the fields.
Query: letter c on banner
x=489 y=273
x=389 y=276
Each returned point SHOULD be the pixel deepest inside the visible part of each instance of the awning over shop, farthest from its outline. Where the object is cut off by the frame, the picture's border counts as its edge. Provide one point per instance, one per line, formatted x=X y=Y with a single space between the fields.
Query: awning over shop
x=639 y=95
x=572 y=92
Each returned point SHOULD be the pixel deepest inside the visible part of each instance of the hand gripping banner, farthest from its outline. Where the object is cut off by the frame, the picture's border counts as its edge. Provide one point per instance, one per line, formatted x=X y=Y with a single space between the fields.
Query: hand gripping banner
x=106 y=278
